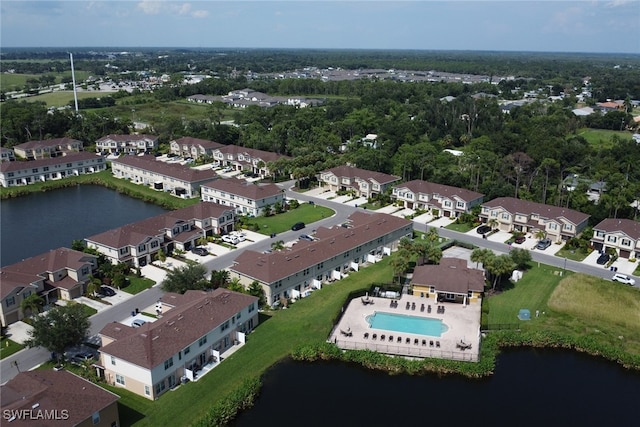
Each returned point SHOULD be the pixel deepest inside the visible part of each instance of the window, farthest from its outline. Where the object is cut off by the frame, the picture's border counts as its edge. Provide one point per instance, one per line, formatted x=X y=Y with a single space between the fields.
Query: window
x=120 y=379
x=506 y=216
x=612 y=239
x=252 y=307
x=626 y=242
x=147 y=390
x=95 y=417
x=113 y=360
x=187 y=350
x=10 y=301
x=600 y=234
x=34 y=170
x=553 y=226
x=168 y=363
x=460 y=204
x=202 y=341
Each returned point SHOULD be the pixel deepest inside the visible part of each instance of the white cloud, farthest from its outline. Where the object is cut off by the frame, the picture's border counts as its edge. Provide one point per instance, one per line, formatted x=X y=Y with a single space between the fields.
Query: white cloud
x=150 y=7
x=184 y=9
x=200 y=14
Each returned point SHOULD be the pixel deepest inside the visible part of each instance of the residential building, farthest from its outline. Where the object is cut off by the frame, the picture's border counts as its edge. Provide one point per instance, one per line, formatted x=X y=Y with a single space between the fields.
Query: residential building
x=138 y=244
x=192 y=332
x=363 y=182
x=246 y=159
x=58 y=274
x=441 y=200
x=182 y=181
x=193 y=147
x=451 y=280
x=7 y=154
x=511 y=214
x=622 y=235
x=48 y=169
x=245 y=197
x=127 y=144
x=57 y=398
x=296 y=272
x=56 y=147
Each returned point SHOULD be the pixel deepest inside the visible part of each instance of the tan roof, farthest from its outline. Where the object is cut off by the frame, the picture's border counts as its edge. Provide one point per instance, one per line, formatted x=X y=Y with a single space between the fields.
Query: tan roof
x=55 y=142
x=137 y=232
x=364 y=174
x=265 y=156
x=627 y=226
x=49 y=161
x=35 y=268
x=526 y=207
x=451 y=275
x=425 y=187
x=241 y=187
x=173 y=170
x=126 y=138
x=187 y=140
x=49 y=390
x=274 y=266
x=155 y=342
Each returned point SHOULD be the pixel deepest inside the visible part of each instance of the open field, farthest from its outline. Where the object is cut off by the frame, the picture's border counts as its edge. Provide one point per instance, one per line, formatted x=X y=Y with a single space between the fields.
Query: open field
x=61 y=98
x=601 y=137
x=11 y=82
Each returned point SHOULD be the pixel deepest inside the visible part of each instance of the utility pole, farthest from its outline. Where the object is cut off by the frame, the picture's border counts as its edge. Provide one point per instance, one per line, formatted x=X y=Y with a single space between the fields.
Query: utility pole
x=73 y=78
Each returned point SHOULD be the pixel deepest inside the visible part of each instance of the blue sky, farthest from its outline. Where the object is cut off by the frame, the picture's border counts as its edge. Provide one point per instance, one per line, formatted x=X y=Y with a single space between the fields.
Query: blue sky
x=509 y=25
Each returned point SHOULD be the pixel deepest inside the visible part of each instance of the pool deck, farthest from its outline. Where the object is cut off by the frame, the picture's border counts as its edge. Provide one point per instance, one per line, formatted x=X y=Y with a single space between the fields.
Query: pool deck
x=463 y=324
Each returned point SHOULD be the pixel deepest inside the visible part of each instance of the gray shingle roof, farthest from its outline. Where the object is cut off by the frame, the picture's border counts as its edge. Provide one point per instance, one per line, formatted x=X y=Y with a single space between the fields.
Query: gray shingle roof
x=451 y=275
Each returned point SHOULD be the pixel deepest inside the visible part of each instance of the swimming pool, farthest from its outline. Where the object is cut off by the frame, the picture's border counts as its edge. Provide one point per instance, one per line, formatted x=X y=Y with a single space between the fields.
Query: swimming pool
x=407 y=324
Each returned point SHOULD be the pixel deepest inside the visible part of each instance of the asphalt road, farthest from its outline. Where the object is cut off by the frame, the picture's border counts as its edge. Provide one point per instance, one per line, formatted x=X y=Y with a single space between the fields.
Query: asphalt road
x=30 y=358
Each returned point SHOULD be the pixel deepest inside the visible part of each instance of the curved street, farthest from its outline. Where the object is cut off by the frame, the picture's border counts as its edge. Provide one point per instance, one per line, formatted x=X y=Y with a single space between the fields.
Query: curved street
x=32 y=357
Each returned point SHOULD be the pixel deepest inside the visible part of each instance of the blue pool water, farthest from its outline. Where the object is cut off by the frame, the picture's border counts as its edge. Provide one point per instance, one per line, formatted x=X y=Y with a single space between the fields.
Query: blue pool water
x=407 y=324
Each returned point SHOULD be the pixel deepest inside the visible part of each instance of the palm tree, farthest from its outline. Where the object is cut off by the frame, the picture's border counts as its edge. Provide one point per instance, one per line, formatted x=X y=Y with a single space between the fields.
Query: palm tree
x=498 y=266
x=493 y=223
x=32 y=304
x=540 y=234
x=481 y=256
x=278 y=245
x=400 y=262
x=93 y=286
x=235 y=285
x=432 y=234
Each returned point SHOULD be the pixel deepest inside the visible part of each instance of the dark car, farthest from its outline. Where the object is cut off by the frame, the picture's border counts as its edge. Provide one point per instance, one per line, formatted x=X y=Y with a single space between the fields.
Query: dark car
x=543 y=244
x=306 y=237
x=483 y=229
x=82 y=357
x=603 y=259
x=200 y=251
x=297 y=226
x=519 y=239
x=107 y=291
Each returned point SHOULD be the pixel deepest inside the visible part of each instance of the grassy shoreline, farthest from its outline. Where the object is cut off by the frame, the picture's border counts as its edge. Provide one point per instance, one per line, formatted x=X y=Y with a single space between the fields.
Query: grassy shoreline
x=580 y=312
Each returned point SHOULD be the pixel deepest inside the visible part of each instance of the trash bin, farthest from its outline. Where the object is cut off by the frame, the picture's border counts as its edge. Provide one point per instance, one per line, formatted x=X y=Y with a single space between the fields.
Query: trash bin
x=137 y=311
x=133 y=313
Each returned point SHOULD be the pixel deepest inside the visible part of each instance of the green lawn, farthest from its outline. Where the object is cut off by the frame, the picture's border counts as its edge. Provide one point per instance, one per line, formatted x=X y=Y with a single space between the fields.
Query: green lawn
x=8 y=347
x=462 y=227
x=572 y=254
x=282 y=222
x=531 y=292
x=89 y=311
x=601 y=137
x=138 y=284
x=62 y=98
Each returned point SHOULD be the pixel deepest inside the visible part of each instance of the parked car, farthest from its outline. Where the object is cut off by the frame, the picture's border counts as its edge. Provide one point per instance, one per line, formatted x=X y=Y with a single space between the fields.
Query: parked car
x=543 y=244
x=137 y=323
x=106 y=291
x=200 y=251
x=297 y=226
x=483 y=229
x=519 y=239
x=623 y=278
x=603 y=259
x=82 y=357
x=306 y=237
x=230 y=239
x=227 y=169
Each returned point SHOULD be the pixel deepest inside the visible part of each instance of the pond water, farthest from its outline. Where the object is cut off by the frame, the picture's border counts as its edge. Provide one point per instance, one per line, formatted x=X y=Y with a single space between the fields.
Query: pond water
x=34 y=224
x=529 y=388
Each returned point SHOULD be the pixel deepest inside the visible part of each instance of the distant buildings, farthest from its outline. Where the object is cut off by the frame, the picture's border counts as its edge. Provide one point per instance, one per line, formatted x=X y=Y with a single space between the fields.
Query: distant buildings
x=442 y=199
x=363 y=182
x=193 y=147
x=33 y=150
x=14 y=174
x=245 y=197
x=511 y=214
x=245 y=97
x=127 y=144
x=621 y=235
